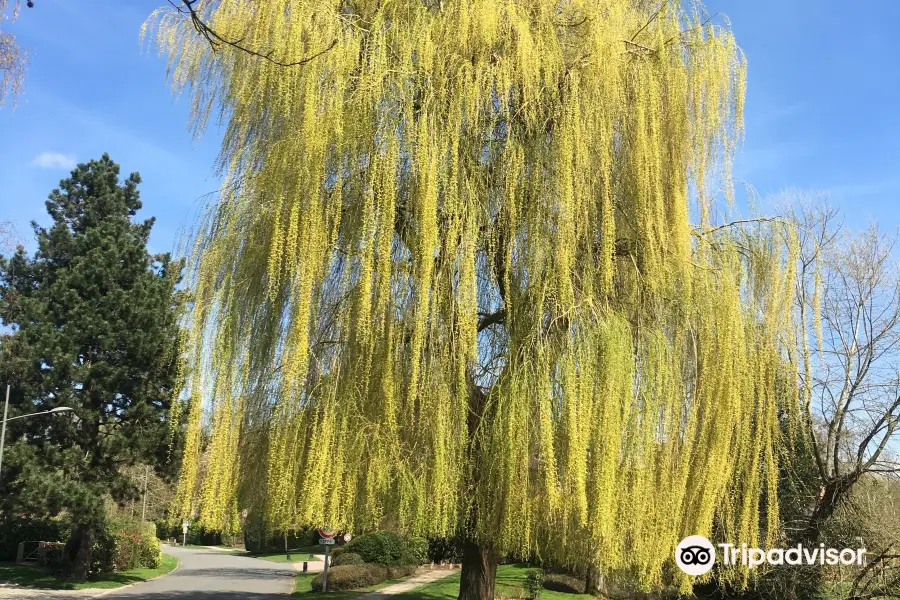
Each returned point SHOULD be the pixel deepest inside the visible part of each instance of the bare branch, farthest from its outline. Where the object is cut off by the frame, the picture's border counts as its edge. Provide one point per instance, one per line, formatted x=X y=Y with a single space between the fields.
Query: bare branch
x=215 y=40
x=699 y=232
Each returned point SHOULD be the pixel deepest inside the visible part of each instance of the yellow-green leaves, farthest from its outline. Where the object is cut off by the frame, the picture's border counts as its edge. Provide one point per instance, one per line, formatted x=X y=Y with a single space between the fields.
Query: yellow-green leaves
x=456 y=265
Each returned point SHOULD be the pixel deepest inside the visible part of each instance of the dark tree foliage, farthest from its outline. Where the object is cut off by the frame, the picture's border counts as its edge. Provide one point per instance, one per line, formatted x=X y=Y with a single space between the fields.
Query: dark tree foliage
x=92 y=324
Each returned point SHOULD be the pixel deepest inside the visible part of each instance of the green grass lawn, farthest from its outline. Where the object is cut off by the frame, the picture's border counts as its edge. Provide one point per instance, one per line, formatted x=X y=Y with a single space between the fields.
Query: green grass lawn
x=304 y=583
x=509 y=584
x=301 y=551
x=296 y=556
x=39 y=577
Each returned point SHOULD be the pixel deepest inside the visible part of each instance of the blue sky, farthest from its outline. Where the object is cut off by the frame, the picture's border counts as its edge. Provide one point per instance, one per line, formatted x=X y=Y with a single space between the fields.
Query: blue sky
x=821 y=108
x=91 y=87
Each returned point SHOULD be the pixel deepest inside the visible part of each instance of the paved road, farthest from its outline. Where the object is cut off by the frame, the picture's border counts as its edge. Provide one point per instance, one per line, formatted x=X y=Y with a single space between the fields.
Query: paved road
x=214 y=575
x=201 y=575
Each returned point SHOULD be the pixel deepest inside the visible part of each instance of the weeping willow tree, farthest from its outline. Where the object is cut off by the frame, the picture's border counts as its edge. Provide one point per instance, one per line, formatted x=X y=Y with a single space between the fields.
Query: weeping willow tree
x=466 y=276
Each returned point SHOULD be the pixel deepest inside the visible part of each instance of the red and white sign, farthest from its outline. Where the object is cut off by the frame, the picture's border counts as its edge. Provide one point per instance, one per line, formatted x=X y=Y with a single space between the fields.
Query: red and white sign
x=326 y=533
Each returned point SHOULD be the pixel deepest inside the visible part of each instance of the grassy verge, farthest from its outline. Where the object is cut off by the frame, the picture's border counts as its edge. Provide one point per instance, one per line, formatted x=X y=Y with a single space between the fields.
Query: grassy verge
x=39 y=577
x=510 y=583
x=222 y=549
x=302 y=589
x=296 y=556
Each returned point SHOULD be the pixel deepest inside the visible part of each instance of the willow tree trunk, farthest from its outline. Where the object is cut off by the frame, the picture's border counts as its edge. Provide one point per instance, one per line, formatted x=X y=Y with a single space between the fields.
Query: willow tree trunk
x=594 y=581
x=479 y=561
x=479 y=570
x=78 y=552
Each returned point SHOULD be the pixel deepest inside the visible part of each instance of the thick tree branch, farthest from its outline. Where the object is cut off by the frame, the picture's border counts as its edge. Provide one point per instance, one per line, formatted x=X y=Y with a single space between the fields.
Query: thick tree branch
x=491 y=319
x=215 y=40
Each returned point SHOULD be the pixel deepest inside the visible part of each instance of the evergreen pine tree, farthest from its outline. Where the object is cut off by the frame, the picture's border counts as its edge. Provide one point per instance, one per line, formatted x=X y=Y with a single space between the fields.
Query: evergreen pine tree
x=93 y=326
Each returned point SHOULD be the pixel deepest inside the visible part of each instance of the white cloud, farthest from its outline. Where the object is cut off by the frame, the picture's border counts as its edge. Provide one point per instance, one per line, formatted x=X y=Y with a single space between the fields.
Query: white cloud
x=53 y=160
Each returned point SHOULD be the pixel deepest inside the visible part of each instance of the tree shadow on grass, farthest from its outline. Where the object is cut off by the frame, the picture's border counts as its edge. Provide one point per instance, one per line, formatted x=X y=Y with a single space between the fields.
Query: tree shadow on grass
x=32 y=576
x=38 y=577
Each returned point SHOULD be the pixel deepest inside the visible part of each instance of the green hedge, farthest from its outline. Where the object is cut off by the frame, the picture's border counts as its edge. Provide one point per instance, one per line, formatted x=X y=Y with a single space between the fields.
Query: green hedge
x=389 y=549
x=415 y=551
x=379 y=547
x=351 y=577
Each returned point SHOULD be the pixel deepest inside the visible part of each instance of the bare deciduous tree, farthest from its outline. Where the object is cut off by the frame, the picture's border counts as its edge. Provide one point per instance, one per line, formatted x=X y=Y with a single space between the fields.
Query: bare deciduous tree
x=12 y=58
x=875 y=511
x=9 y=237
x=849 y=357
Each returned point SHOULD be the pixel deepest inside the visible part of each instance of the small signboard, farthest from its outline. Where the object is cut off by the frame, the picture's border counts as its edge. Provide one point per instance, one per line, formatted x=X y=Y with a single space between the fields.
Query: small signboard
x=184 y=527
x=326 y=541
x=347 y=537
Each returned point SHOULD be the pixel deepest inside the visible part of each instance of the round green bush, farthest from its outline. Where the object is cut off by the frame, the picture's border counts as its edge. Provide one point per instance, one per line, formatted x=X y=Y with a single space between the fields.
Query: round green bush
x=335 y=552
x=379 y=547
x=347 y=558
x=351 y=577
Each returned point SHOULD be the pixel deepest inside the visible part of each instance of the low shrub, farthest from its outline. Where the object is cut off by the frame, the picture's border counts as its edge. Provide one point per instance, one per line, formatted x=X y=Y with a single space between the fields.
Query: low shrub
x=347 y=558
x=568 y=584
x=128 y=550
x=334 y=553
x=125 y=544
x=533 y=582
x=104 y=551
x=151 y=551
x=351 y=577
x=401 y=571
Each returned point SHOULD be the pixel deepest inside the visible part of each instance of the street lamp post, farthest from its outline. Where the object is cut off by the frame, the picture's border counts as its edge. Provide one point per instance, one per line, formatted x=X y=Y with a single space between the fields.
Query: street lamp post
x=52 y=411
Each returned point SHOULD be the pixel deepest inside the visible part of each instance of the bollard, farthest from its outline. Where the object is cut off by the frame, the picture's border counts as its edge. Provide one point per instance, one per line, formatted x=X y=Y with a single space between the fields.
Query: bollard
x=305 y=566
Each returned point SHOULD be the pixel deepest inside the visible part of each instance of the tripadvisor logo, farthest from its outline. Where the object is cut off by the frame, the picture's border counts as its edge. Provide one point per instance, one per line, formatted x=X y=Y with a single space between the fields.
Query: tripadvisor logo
x=695 y=555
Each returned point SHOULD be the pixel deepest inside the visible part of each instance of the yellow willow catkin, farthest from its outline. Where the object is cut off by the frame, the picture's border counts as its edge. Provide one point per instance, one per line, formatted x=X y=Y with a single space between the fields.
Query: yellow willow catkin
x=461 y=286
